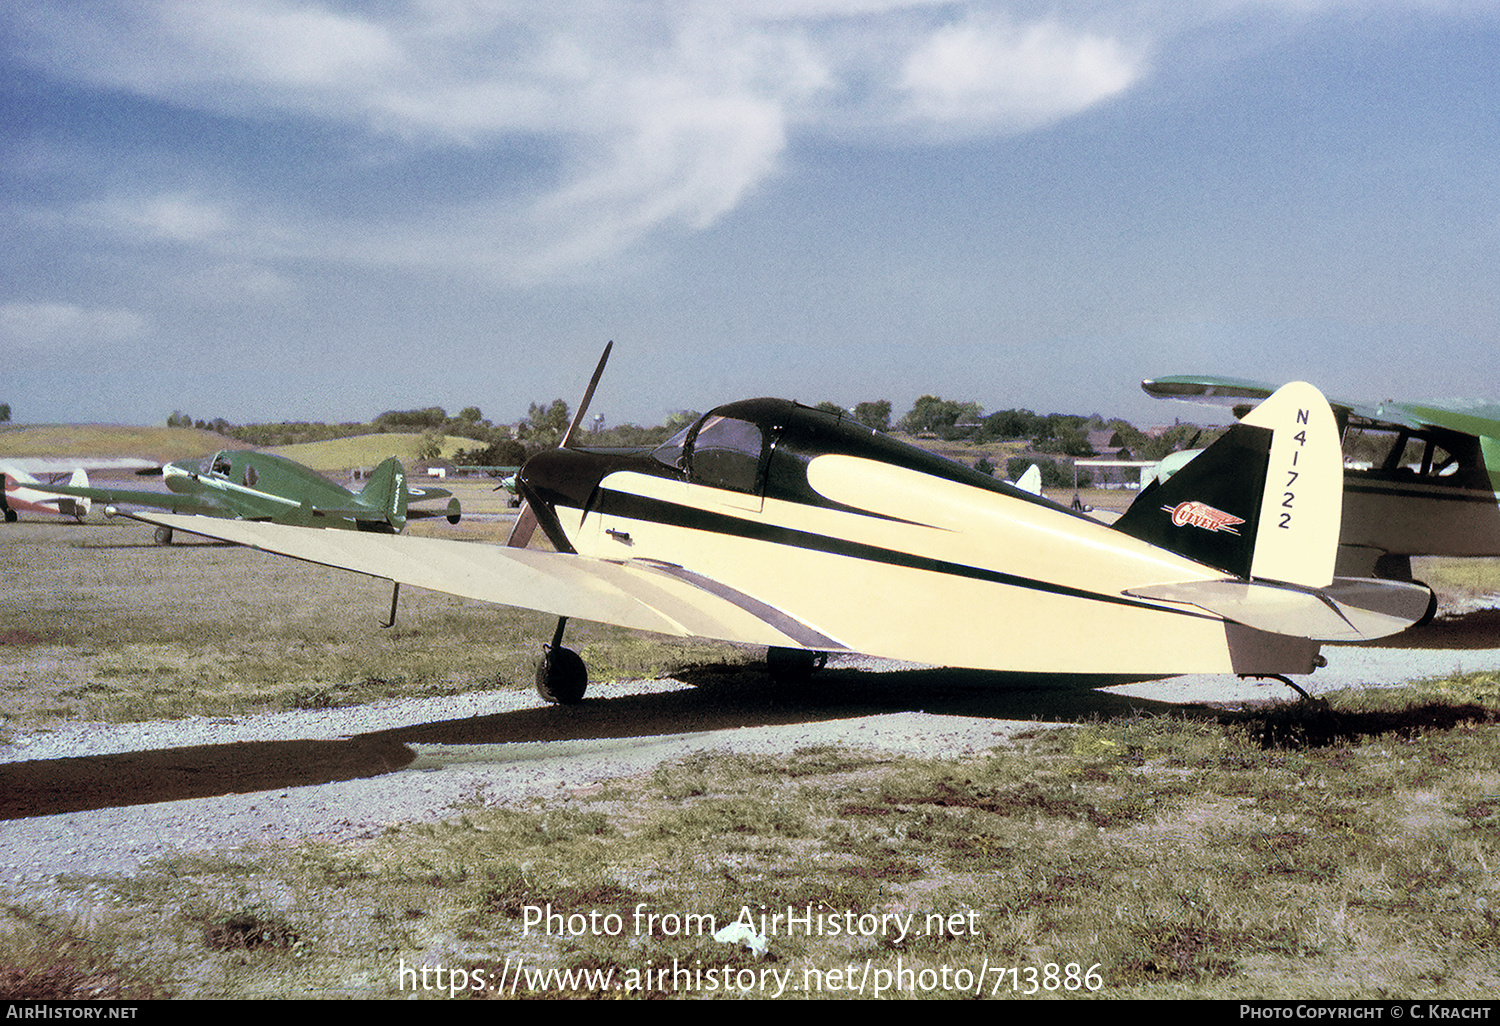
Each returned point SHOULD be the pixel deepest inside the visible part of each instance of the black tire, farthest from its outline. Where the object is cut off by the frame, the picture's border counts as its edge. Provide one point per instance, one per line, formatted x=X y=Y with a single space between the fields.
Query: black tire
x=163 y=536
x=561 y=676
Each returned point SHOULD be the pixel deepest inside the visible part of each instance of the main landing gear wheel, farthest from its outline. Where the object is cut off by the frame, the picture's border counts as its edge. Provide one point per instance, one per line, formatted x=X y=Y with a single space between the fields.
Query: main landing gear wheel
x=794 y=663
x=561 y=676
x=163 y=536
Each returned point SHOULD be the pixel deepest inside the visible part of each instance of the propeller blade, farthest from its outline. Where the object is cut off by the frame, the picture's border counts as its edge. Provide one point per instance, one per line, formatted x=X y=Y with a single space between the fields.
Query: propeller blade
x=525 y=525
x=588 y=397
x=522 y=530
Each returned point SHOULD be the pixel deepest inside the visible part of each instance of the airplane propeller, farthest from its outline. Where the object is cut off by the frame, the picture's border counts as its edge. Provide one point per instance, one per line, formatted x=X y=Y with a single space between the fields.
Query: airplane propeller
x=525 y=525
x=560 y=675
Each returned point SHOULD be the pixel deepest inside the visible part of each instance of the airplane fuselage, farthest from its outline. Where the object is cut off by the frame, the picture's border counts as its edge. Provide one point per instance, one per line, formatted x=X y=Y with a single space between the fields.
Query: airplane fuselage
x=1415 y=517
x=855 y=541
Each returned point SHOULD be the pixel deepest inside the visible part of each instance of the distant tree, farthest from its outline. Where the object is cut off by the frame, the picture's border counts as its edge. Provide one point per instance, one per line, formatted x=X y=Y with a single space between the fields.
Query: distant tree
x=1066 y=440
x=1174 y=439
x=471 y=414
x=985 y=466
x=932 y=415
x=874 y=415
x=431 y=446
x=4 y=412
x=411 y=420
x=1055 y=474
x=833 y=408
x=504 y=452
x=179 y=419
x=544 y=425
x=1008 y=424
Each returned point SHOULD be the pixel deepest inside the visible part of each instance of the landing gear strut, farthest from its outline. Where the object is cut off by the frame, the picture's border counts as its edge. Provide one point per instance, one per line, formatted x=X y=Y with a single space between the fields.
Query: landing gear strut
x=561 y=676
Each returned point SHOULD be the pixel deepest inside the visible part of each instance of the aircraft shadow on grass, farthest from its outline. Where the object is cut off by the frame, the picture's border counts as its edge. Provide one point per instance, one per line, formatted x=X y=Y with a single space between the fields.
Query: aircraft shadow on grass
x=721 y=698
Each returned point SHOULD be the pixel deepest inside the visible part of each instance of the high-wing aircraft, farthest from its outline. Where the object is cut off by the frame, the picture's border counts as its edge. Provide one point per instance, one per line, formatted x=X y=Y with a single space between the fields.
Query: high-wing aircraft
x=248 y=485
x=20 y=491
x=770 y=523
x=1420 y=479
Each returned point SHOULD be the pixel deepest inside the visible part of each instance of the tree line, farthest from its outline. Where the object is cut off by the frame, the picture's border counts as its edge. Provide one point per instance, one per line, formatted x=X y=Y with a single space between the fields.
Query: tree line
x=544 y=424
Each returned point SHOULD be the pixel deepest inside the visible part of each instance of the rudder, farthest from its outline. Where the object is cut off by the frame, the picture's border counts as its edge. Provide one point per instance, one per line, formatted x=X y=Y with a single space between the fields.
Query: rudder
x=386 y=491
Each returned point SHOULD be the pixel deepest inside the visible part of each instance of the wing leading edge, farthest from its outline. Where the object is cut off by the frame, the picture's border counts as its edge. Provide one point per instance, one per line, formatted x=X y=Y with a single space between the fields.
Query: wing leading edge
x=636 y=594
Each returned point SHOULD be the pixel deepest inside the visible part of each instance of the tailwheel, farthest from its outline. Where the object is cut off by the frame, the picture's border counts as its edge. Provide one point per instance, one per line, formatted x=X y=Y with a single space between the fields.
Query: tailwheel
x=163 y=536
x=794 y=663
x=561 y=677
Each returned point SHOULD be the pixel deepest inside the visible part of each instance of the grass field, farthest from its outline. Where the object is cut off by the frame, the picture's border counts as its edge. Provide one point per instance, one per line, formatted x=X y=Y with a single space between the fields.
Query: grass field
x=1346 y=851
x=161 y=444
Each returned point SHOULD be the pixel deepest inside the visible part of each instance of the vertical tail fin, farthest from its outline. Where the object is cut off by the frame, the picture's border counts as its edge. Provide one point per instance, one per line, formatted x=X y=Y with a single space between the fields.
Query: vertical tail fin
x=386 y=492
x=81 y=504
x=1264 y=501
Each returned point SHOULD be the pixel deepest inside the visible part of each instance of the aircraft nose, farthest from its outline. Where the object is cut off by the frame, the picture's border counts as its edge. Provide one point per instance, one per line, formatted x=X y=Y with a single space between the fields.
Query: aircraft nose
x=560 y=477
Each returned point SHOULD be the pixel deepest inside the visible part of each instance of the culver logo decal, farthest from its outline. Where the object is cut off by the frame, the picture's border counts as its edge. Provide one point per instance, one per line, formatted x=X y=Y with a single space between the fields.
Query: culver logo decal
x=1200 y=514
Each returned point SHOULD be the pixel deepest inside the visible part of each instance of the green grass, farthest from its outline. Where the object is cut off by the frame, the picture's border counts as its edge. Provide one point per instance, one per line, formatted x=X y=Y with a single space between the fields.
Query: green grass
x=104 y=625
x=1326 y=851
x=159 y=443
x=1172 y=856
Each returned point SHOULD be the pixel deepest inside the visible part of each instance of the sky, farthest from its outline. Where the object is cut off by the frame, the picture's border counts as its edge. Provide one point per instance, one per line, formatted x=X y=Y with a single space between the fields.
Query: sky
x=269 y=210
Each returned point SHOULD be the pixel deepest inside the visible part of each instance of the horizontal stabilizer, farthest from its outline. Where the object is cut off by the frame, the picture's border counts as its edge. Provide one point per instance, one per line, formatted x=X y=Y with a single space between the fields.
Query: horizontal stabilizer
x=1349 y=609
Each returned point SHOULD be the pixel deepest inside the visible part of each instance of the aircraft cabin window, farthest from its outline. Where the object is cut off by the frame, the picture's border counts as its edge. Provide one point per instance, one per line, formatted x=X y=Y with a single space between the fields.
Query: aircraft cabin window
x=1401 y=454
x=726 y=454
x=221 y=464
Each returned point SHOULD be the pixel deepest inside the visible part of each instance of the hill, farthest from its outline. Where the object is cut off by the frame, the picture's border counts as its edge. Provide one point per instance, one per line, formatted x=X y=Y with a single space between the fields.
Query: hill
x=161 y=444
x=338 y=454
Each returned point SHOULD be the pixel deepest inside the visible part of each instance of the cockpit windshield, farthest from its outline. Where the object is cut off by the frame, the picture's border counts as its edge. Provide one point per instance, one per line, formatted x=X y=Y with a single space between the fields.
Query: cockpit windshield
x=672 y=451
x=717 y=451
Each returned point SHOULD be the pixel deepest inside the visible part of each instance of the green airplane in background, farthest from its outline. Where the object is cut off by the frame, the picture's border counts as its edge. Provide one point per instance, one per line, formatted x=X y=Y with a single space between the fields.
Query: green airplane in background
x=247 y=485
x=1420 y=478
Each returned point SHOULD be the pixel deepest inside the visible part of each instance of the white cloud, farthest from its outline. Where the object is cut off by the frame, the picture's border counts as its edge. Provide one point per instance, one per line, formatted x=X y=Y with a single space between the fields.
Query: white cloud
x=49 y=327
x=172 y=217
x=988 y=74
x=662 y=115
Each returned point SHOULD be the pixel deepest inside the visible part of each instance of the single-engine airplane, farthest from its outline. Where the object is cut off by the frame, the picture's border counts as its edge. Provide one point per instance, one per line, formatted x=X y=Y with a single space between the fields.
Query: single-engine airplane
x=248 y=485
x=1420 y=479
x=21 y=492
x=770 y=523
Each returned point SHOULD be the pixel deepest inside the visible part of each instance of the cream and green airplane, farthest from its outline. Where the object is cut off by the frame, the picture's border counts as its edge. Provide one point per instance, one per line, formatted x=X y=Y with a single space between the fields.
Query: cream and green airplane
x=261 y=486
x=1420 y=478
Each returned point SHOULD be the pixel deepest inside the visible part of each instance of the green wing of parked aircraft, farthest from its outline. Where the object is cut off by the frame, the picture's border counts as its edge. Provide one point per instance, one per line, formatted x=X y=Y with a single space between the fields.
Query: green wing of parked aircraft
x=1420 y=478
x=246 y=485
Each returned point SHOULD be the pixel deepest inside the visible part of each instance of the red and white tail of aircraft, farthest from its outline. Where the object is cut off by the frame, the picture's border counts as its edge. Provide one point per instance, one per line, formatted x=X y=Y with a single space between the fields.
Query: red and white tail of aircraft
x=25 y=494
